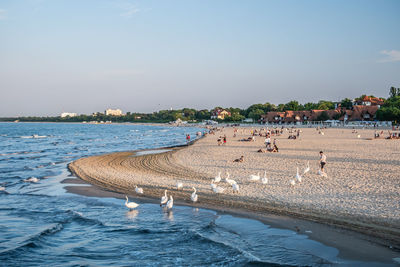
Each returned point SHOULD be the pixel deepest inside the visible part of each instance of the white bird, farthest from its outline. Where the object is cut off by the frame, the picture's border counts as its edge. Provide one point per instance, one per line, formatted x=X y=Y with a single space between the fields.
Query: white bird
x=217 y=189
x=194 y=196
x=264 y=180
x=322 y=133
x=164 y=198
x=32 y=180
x=170 y=203
x=254 y=177
x=298 y=176
x=179 y=186
x=292 y=182
x=358 y=136
x=230 y=181
x=130 y=205
x=307 y=169
x=235 y=187
x=2 y=188
x=139 y=190
x=217 y=178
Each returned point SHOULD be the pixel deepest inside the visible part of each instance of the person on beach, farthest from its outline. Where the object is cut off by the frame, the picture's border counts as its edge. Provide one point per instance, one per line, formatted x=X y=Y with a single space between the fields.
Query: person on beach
x=267 y=141
x=224 y=139
x=322 y=160
x=188 y=138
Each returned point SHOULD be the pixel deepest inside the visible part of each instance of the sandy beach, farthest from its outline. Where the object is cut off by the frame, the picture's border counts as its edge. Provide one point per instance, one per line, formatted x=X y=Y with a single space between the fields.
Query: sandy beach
x=361 y=192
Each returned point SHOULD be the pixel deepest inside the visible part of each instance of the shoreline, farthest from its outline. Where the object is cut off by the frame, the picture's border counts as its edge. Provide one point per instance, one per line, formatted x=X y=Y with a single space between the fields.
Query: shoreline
x=345 y=241
x=163 y=170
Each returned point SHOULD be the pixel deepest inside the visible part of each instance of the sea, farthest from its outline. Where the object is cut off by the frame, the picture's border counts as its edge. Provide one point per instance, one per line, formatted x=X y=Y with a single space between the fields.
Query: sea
x=41 y=224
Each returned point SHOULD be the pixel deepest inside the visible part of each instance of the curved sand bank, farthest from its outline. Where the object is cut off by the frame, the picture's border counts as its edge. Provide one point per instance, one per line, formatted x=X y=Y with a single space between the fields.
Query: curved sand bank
x=361 y=192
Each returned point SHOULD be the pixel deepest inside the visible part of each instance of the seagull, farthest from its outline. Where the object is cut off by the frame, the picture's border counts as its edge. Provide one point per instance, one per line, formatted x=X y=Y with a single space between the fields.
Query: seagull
x=264 y=180
x=170 y=203
x=194 y=196
x=254 y=177
x=292 y=182
x=298 y=176
x=139 y=190
x=235 y=187
x=130 y=205
x=179 y=186
x=307 y=169
x=164 y=198
x=32 y=180
x=217 y=178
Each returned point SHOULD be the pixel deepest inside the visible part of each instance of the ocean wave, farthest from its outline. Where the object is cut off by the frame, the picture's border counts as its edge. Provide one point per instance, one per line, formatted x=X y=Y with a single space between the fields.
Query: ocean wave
x=31 y=241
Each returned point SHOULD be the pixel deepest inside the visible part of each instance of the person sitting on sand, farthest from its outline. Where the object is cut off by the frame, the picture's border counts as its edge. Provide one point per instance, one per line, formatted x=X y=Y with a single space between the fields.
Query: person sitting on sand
x=261 y=150
x=241 y=159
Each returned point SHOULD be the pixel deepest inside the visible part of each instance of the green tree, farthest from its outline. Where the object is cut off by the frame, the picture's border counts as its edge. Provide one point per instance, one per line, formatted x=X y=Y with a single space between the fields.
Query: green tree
x=256 y=114
x=346 y=103
x=323 y=116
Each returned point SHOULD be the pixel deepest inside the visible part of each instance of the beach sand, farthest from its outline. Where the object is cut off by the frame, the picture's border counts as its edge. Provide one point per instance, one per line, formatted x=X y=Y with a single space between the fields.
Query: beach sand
x=361 y=192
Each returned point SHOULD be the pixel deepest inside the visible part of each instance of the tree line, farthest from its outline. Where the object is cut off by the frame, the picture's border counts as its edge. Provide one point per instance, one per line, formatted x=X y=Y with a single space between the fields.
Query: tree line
x=389 y=111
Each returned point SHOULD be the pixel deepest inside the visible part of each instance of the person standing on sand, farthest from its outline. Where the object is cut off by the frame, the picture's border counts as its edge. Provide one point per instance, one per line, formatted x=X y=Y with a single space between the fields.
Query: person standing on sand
x=322 y=160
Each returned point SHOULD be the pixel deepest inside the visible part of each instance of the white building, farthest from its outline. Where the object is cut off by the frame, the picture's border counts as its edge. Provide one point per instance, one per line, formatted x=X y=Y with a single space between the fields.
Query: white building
x=113 y=112
x=68 y=114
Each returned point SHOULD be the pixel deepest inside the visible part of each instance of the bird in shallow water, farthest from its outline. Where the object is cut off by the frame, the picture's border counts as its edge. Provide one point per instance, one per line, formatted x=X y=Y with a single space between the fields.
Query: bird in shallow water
x=164 y=198
x=130 y=205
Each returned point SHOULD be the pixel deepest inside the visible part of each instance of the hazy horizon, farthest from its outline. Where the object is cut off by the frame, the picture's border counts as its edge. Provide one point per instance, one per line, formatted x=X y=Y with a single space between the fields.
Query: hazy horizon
x=144 y=56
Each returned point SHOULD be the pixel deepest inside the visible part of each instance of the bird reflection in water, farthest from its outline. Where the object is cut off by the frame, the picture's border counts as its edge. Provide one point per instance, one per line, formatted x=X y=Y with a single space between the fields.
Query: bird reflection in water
x=132 y=214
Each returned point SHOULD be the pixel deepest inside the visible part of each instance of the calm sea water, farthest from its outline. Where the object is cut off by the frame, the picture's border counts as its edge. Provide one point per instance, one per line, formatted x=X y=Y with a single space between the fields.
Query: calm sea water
x=43 y=225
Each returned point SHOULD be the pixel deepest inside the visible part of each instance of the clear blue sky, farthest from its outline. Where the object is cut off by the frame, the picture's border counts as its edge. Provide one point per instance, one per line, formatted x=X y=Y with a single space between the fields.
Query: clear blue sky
x=86 y=56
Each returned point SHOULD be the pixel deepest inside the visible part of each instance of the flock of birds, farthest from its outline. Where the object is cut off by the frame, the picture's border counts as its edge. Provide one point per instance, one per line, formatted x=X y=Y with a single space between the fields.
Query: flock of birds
x=169 y=201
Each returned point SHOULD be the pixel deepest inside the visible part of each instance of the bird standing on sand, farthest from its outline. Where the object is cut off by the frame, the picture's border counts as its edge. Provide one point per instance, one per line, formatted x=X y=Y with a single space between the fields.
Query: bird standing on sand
x=298 y=176
x=130 y=205
x=235 y=187
x=229 y=181
x=164 y=198
x=264 y=180
x=170 y=203
x=254 y=177
x=292 y=182
x=194 y=196
x=139 y=190
x=179 y=186
x=217 y=189
x=307 y=169
x=217 y=178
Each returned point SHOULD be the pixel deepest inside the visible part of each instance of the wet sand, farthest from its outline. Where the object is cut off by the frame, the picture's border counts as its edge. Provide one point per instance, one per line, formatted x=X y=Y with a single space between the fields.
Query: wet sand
x=361 y=192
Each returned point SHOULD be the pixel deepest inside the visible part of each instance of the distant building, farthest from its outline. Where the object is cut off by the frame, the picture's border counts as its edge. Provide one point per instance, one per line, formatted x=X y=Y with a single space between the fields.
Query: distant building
x=68 y=114
x=220 y=114
x=369 y=101
x=113 y=112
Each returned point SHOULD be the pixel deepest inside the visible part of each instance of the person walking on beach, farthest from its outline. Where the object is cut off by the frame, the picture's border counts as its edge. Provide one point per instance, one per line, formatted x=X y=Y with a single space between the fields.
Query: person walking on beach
x=224 y=139
x=322 y=160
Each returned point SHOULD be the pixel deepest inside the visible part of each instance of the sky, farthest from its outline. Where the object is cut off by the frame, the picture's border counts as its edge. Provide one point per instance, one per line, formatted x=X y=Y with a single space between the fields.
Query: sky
x=142 y=56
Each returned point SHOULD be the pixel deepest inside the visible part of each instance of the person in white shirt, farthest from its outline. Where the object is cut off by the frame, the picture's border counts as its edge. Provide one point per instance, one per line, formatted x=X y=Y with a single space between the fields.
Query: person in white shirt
x=322 y=160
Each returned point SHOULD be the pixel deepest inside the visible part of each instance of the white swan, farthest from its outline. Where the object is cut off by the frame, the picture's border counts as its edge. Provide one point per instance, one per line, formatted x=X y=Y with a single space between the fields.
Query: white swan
x=164 y=198
x=235 y=187
x=307 y=169
x=179 y=186
x=217 y=178
x=194 y=196
x=264 y=180
x=292 y=182
x=217 y=189
x=298 y=176
x=229 y=181
x=254 y=177
x=32 y=180
x=170 y=203
x=139 y=190
x=130 y=205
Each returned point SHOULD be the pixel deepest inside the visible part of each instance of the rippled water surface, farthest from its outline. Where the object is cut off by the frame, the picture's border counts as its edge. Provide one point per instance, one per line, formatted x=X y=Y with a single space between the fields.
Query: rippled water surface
x=42 y=225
